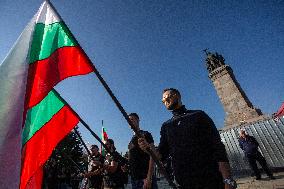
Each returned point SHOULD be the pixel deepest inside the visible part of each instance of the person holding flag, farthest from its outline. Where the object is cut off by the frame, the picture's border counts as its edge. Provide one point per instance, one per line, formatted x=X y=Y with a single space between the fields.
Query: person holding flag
x=114 y=166
x=95 y=169
x=198 y=156
x=140 y=163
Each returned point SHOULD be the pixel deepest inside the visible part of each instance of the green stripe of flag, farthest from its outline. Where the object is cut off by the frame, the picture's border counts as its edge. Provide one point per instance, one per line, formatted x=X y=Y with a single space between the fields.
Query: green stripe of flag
x=41 y=114
x=48 y=38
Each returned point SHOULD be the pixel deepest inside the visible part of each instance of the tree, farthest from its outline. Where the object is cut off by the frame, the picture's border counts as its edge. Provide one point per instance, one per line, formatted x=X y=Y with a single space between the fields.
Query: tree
x=66 y=162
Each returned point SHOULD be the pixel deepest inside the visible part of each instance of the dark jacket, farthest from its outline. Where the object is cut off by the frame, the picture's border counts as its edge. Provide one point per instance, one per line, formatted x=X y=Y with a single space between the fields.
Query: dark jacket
x=249 y=145
x=192 y=140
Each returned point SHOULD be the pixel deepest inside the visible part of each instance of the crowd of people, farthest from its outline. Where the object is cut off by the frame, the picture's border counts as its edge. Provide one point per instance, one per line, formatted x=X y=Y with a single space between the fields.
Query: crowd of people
x=190 y=146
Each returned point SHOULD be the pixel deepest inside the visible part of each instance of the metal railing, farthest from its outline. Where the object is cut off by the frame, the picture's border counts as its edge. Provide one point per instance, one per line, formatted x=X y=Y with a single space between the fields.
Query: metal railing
x=270 y=135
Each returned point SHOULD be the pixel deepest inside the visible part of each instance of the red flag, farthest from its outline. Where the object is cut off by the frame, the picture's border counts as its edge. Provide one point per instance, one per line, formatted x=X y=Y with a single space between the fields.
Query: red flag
x=280 y=112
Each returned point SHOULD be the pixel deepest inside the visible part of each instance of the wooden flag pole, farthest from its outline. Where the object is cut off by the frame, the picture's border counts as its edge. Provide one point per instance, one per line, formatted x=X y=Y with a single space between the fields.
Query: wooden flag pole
x=85 y=125
x=152 y=152
x=84 y=144
x=90 y=130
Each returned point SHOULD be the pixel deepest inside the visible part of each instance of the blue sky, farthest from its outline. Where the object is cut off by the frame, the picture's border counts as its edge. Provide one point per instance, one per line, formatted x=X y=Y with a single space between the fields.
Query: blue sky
x=142 y=47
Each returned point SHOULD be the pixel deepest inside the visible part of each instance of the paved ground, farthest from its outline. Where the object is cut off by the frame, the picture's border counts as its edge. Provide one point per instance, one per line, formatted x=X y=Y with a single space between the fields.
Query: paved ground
x=246 y=183
x=265 y=183
x=243 y=183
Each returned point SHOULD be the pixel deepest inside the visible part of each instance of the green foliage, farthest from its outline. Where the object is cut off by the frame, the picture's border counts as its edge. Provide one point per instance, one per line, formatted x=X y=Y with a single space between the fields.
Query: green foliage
x=67 y=159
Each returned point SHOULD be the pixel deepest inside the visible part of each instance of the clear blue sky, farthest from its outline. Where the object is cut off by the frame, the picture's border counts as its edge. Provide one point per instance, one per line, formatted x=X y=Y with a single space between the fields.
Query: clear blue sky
x=142 y=47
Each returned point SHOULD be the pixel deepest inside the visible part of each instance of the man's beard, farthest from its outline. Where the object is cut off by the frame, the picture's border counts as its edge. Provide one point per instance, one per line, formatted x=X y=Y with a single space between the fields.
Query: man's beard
x=173 y=105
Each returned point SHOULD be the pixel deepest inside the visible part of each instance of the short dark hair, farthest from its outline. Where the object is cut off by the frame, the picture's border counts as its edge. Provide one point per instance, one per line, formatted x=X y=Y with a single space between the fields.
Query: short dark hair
x=172 y=90
x=134 y=114
x=110 y=141
x=94 y=146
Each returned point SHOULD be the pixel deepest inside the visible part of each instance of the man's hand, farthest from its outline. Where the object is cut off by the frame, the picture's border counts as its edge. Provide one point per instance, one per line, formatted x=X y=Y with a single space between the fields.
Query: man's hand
x=224 y=168
x=81 y=175
x=124 y=168
x=230 y=184
x=96 y=163
x=87 y=175
x=147 y=184
x=143 y=144
x=227 y=186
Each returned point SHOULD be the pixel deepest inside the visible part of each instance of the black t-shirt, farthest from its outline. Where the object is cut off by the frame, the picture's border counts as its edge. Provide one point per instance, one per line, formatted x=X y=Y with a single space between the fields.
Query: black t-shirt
x=138 y=159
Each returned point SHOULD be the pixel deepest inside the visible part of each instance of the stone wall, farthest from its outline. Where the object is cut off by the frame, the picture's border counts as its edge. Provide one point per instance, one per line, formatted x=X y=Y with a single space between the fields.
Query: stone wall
x=237 y=107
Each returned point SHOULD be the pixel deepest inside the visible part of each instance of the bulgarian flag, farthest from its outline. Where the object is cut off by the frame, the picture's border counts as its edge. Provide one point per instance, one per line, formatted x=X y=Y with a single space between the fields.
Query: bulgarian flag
x=104 y=138
x=33 y=117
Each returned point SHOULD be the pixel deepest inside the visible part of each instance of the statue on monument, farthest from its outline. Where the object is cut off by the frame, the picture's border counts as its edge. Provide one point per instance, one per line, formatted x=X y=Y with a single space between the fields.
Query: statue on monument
x=213 y=61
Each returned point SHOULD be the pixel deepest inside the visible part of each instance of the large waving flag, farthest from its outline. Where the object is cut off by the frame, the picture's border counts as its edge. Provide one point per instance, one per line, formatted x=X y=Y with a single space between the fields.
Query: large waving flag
x=32 y=115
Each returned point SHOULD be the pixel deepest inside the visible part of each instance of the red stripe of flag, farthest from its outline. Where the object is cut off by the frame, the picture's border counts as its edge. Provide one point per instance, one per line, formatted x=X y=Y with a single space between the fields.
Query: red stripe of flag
x=45 y=74
x=39 y=148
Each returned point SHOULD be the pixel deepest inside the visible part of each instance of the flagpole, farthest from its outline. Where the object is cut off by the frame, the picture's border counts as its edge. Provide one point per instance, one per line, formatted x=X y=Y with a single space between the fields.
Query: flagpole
x=152 y=152
x=90 y=130
x=76 y=165
x=102 y=136
x=81 y=139
x=85 y=125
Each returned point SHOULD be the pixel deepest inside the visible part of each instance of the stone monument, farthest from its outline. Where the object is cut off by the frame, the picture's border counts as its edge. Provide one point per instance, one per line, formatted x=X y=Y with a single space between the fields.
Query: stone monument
x=238 y=108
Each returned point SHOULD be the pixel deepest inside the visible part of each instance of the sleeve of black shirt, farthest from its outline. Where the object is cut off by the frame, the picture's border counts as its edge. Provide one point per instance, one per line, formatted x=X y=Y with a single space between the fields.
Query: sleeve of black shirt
x=210 y=131
x=163 y=146
x=148 y=137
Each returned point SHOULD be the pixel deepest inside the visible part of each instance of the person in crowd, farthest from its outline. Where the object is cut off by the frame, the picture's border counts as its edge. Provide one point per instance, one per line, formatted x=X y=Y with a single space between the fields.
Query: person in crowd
x=95 y=169
x=250 y=147
x=115 y=169
x=141 y=164
x=190 y=138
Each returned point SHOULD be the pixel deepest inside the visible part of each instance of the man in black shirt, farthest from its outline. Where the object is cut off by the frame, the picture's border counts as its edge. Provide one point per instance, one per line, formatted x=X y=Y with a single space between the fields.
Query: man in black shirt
x=140 y=164
x=250 y=147
x=192 y=141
